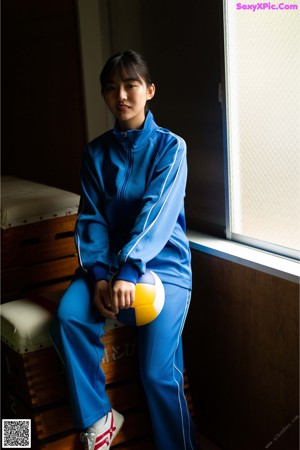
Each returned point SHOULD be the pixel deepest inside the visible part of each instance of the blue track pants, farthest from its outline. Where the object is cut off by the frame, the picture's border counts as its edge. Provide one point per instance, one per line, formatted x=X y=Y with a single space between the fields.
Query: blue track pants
x=76 y=331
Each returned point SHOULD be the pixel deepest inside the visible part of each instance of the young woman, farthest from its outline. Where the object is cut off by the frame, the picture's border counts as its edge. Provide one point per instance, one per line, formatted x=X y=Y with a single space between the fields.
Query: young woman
x=131 y=217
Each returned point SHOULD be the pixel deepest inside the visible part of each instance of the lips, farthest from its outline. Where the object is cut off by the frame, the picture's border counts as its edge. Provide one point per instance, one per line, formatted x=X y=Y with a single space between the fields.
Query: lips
x=122 y=107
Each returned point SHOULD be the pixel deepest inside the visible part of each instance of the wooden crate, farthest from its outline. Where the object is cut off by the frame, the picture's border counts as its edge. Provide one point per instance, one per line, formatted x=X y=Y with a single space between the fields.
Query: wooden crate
x=37 y=242
x=38 y=257
x=37 y=237
x=135 y=434
x=38 y=377
x=52 y=427
x=34 y=387
x=56 y=419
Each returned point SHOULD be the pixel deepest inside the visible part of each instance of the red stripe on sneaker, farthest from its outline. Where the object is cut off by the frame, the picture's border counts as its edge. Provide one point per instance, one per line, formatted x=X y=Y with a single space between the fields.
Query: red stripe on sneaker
x=105 y=438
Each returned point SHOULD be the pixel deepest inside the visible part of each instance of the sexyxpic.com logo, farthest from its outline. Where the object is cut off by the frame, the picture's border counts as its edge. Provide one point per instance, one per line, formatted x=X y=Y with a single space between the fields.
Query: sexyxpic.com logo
x=267 y=6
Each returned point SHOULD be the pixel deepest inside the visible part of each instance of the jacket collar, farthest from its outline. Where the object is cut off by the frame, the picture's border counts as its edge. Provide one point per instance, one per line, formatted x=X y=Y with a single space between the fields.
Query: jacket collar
x=137 y=137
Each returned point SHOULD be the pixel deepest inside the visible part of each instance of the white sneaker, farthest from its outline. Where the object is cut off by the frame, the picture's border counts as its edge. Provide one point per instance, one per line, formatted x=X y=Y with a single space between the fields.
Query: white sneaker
x=101 y=439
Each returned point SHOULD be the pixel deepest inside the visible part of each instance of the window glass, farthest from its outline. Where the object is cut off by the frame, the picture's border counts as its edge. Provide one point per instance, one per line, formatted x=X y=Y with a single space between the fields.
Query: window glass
x=262 y=72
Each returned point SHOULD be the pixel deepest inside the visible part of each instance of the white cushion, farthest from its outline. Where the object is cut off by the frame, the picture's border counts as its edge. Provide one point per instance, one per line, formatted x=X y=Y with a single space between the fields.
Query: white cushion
x=25 y=323
x=24 y=202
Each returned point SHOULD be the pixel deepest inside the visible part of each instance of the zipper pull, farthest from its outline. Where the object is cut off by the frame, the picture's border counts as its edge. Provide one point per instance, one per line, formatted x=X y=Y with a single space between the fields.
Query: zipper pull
x=125 y=134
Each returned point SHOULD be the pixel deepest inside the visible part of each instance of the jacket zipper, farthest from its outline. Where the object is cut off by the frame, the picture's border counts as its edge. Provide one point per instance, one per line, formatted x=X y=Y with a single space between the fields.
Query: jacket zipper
x=128 y=168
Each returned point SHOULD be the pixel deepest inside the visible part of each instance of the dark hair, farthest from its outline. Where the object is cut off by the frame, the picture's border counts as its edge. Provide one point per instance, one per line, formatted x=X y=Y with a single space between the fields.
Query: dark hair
x=129 y=64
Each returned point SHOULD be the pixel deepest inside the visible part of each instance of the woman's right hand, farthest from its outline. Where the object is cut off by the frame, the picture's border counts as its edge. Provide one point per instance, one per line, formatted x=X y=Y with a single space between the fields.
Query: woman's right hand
x=102 y=299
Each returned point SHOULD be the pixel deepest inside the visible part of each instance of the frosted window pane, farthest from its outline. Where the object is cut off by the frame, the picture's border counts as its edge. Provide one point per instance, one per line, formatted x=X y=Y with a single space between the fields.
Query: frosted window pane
x=262 y=52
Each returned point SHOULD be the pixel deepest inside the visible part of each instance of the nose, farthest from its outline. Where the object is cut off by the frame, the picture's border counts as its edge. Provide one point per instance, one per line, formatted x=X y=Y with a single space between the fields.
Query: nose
x=122 y=93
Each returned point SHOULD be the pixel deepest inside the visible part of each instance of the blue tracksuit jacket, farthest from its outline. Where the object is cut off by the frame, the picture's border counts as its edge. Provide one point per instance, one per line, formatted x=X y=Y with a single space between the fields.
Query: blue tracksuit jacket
x=131 y=214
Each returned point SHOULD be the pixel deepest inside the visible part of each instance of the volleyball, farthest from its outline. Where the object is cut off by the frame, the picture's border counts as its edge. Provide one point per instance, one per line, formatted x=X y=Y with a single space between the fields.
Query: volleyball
x=148 y=303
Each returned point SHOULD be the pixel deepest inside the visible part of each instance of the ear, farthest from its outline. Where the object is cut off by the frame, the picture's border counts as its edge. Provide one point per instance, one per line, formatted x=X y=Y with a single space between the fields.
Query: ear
x=150 y=91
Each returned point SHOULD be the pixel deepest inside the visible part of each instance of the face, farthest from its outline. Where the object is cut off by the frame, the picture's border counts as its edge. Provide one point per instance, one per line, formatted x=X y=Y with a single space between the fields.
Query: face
x=126 y=99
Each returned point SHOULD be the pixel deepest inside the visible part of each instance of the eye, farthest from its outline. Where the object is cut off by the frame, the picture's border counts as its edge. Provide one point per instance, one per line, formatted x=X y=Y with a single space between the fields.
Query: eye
x=109 y=88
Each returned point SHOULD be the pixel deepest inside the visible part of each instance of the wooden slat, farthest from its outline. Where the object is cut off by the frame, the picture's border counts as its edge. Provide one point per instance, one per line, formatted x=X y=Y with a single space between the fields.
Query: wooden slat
x=39 y=289
x=144 y=443
x=135 y=431
x=137 y=424
x=37 y=242
x=44 y=423
x=120 y=357
x=72 y=442
x=58 y=419
x=126 y=395
x=37 y=257
x=36 y=377
x=68 y=442
x=22 y=280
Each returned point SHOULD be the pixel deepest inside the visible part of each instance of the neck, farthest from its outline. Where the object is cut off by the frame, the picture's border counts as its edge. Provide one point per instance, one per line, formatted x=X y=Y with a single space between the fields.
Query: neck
x=132 y=125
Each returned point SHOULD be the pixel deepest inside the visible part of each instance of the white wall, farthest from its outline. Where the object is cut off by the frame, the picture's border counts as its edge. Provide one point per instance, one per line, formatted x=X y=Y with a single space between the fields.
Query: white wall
x=105 y=27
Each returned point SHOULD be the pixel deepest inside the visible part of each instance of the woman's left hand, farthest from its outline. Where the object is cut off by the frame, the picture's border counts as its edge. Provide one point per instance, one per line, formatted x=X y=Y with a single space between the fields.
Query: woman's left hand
x=122 y=295
x=102 y=299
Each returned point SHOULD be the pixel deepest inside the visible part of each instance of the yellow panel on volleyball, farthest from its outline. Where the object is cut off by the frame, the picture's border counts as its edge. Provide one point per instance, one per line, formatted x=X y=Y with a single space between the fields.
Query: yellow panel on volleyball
x=145 y=310
x=144 y=294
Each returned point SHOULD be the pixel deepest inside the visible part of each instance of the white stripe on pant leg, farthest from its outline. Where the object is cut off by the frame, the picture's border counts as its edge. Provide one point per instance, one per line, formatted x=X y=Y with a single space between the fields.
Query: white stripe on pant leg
x=181 y=375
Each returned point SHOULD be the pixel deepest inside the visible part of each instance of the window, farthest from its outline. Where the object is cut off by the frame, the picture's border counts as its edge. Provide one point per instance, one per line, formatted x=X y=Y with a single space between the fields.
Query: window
x=262 y=73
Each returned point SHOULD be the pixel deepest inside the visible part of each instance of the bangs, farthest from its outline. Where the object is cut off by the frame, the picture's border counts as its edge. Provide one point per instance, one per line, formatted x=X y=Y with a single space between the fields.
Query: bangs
x=128 y=65
x=126 y=70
